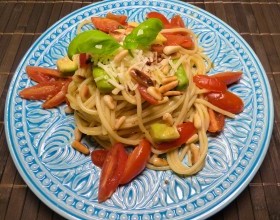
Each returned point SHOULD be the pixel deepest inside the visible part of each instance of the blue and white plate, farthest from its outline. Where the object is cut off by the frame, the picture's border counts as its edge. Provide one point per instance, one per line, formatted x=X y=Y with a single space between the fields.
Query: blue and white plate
x=39 y=140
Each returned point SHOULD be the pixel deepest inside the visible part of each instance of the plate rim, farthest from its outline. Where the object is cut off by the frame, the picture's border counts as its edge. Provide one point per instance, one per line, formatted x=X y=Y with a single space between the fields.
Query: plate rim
x=208 y=212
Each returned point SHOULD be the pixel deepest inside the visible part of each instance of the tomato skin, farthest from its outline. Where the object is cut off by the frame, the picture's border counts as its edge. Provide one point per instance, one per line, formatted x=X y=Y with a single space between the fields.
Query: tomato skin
x=160 y=16
x=186 y=130
x=112 y=171
x=228 y=77
x=57 y=99
x=105 y=24
x=42 y=91
x=209 y=83
x=119 y=18
x=226 y=101
x=98 y=157
x=83 y=60
x=136 y=161
x=177 y=21
x=217 y=121
x=146 y=96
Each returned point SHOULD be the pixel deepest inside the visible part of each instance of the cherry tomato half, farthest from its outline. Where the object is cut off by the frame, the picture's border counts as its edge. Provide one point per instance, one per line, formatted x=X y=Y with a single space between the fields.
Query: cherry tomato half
x=42 y=91
x=105 y=24
x=119 y=18
x=184 y=41
x=112 y=171
x=160 y=16
x=98 y=157
x=42 y=74
x=217 y=121
x=57 y=99
x=177 y=21
x=209 y=83
x=226 y=101
x=136 y=161
x=186 y=130
x=228 y=77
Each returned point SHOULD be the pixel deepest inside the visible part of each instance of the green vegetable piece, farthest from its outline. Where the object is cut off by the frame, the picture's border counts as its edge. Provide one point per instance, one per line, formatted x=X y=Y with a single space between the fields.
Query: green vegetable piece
x=94 y=42
x=103 y=85
x=144 y=34
x=183 y=80
x=66 y=66
x=162 y=132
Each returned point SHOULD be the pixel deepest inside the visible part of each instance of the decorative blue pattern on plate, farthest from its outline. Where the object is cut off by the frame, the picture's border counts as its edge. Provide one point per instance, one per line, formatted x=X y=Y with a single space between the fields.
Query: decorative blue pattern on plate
x=39 y=140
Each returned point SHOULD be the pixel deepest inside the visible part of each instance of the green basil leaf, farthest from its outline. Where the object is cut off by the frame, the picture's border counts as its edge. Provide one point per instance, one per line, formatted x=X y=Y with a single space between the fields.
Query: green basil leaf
x=144 y=34
x=94 y=42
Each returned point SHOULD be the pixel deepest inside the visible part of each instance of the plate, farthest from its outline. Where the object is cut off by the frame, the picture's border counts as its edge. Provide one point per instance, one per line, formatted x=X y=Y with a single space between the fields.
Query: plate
x=39 y=140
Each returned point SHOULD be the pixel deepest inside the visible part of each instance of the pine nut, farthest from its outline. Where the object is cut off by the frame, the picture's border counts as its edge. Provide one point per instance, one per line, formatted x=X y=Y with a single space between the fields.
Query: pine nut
x=164 y=100
x=169 y=79
x=169 y=86
x=165 y=69
x=119 y=57
x=153 y=91
x=172 y=93
x=109 y=101
x=77 y=134
x=195 y=153
x=171 y=49
x=68 y=110
x=159 y=162
x=119 y=122
x=80 y=147
x=167 y=117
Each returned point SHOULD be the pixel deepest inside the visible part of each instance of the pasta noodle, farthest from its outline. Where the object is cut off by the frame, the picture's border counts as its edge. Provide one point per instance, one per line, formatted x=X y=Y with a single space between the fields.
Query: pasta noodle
x=123 y=116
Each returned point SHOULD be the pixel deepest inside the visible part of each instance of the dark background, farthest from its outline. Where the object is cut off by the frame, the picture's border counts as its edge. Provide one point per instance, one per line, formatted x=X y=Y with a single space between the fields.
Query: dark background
x=258 y=22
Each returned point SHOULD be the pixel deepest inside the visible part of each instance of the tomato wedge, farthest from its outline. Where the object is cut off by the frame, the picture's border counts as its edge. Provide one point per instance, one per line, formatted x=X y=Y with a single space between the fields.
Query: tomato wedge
x=119 y=18
x=112 y=171
x=177 y=21
x=209 y=83
x=217 y=121
x=136 y=161
x=105 y=24
x=228 y=77
x=57 y=99
x=146 y=96
x=98 y=157
x=226 y=101
x=160 y=16
x=186 y=130
x=42 y=91
x=42 y=74
x=184 y=41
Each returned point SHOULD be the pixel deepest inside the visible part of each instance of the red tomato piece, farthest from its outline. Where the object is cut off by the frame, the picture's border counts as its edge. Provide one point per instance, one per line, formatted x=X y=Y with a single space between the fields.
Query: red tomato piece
x=158 y=15
x=98 y=157
x=146 y=96
x=105 y=24
x=112 y=171
x=226 y=101
x=136 y=161
x=184 y=41
x=228 y=77
x=119 y=18
x=217 y=121
x=83 y=60
x=177 y=21
x=209 y=83
x=58 y=99
x=186 y=130
x=41 y=74
x=42 y=91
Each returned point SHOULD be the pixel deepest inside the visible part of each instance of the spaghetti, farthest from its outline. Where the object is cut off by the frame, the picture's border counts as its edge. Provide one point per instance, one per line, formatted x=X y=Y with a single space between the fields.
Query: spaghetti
x=123 y=116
